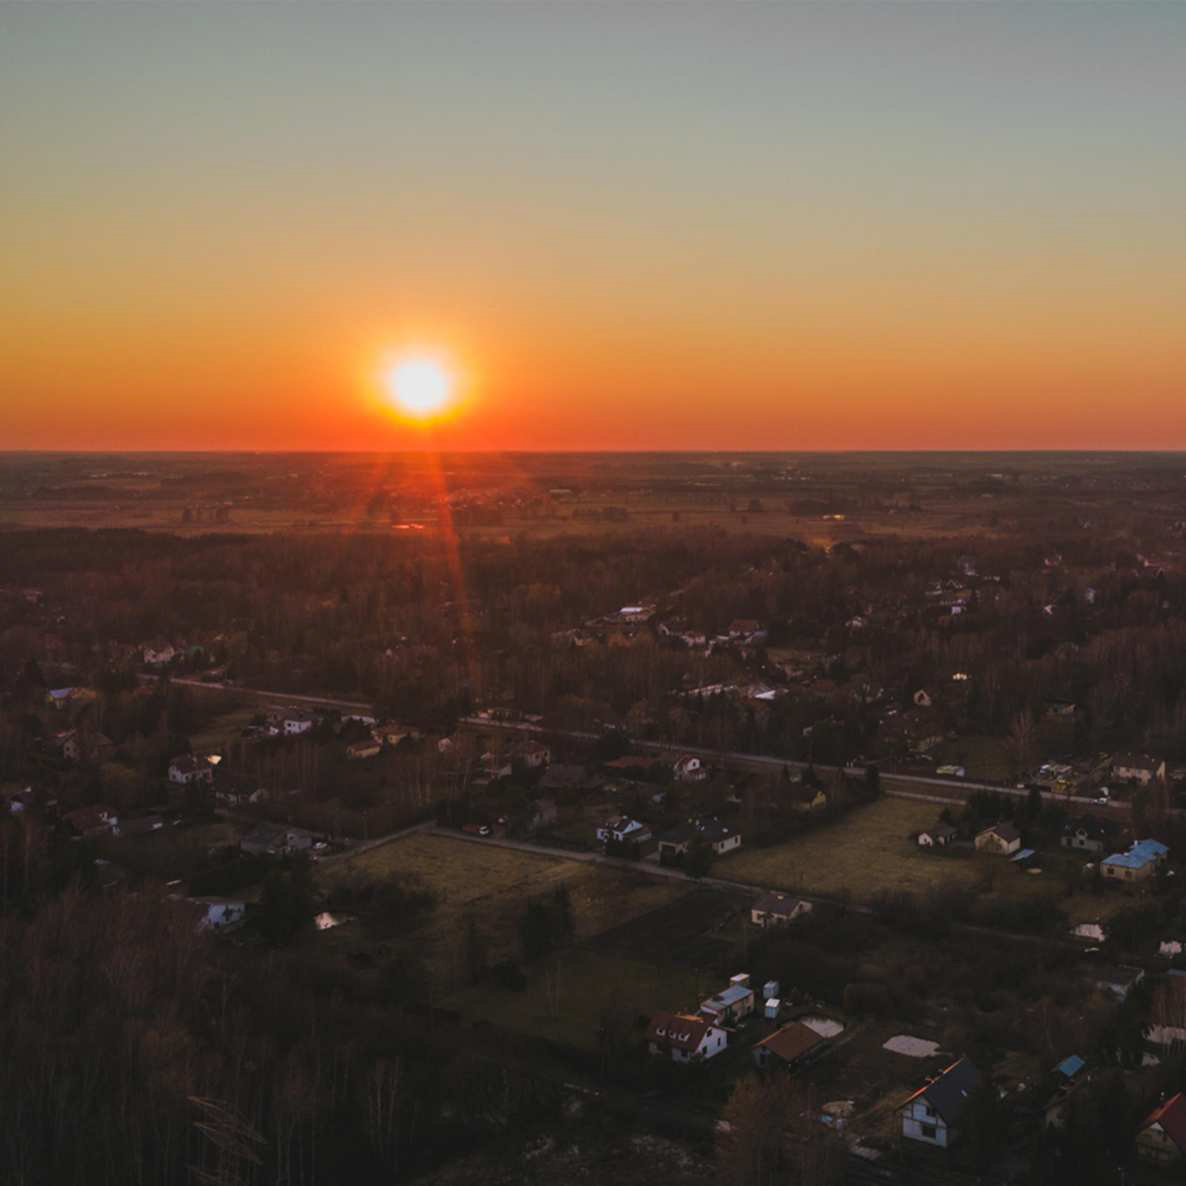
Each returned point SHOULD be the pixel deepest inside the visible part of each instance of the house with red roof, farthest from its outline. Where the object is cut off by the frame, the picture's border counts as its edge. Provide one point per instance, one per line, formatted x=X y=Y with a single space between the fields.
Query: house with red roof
x=1161 y=1139
x=684 y=1038
x=788 y=1047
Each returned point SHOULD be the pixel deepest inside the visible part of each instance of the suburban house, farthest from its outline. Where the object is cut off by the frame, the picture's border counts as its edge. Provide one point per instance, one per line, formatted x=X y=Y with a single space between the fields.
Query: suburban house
x=788 y=1047
x=689 y=768
x=533 y=755
x=298 y=721
x=1139 y=863
x=96 y=820
x=940 y=836
x=271 y=840
x=1087 y=834
x=1003 y=838
x=745 y=630
x=621 y=829
x=932 y=1114
x=718 y=836
x=1071 y=1076
x=186 y=769
x=685 y=1038
x=158 y=654
x=1161 y=1139
x=775 y=909
x=217 y=913
x=1138 y=768
x=731 y=1004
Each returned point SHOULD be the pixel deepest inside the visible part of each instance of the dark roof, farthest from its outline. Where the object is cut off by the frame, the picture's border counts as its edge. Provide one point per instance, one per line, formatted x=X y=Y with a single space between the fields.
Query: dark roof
x=1172 y=1117
x=1006 y=830
x=792 y=1042
x=949 y=1093
x=774 y=902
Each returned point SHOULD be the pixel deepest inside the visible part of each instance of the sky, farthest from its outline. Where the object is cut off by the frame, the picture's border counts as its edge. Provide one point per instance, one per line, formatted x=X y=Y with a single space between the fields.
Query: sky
x=621 y=225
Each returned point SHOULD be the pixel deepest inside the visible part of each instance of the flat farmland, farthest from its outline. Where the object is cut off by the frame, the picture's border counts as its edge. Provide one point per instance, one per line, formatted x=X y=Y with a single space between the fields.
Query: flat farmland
x=867 y=851
x=871 y=851
x=492 y=885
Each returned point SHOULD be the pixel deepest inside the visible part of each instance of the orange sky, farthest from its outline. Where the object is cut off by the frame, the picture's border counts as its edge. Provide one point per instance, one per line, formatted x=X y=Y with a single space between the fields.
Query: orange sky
x=628 y=227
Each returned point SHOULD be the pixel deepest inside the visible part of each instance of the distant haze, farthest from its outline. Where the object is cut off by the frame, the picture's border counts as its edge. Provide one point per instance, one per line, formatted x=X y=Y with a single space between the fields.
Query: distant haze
x=631 y=225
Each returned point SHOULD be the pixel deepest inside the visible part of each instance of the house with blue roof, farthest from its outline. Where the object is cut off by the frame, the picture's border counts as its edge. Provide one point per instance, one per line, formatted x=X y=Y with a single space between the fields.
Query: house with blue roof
x=1139 y=863
x=731 y=1004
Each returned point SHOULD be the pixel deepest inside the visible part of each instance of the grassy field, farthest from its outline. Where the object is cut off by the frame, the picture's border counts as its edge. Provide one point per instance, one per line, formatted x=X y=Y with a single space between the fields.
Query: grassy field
x=223 y=729
x=872 y=851
x=492 y=885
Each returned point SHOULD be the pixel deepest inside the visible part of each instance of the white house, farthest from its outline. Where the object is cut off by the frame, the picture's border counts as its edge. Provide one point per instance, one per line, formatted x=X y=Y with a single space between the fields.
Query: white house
x=775 y=909
x=932 y=1114
x=298 y=722
x=620 y=829
x=1002 y=838
x=940 y=836
x=158 y=654
x=685 y=1038
x=689 y=768
x=186 y=769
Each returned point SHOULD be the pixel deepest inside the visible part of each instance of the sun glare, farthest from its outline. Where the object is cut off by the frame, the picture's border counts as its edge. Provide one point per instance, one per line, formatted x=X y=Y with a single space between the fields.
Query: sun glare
x=420 y=386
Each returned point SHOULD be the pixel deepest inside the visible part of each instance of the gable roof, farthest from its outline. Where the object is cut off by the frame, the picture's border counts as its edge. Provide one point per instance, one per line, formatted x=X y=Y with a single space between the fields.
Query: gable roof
x=1172 y=1117
x=678 y=1029
x=1070 y=1066
x=948 y=1094
x=792 y=1041
x=774 y=902
x=1006 y=830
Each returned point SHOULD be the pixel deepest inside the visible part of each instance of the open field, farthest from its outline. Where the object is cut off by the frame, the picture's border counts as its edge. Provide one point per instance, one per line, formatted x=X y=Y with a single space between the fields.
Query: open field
x=222 y=730
x=871 y=851
x=867 y=851
x=492 y=885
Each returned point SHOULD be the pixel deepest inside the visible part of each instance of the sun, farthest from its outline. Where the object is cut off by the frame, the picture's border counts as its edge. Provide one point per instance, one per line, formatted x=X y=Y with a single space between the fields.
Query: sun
x=420 y=385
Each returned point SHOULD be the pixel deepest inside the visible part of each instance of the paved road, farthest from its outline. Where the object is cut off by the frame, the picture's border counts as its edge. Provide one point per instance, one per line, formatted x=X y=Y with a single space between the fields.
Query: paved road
x=956 y=789
x=653 y=869
x=947 y=790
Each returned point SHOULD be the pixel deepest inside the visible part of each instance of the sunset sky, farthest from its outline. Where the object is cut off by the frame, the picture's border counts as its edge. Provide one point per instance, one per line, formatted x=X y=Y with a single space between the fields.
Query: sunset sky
x=621 y=225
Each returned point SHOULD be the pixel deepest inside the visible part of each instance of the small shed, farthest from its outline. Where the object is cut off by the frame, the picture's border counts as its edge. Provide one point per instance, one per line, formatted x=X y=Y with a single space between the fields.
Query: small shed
x=770 y=989
x=773 y=1006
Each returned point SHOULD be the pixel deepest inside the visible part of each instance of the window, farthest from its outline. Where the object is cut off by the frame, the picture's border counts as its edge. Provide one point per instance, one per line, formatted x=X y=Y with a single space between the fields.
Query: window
x=928 y=1131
